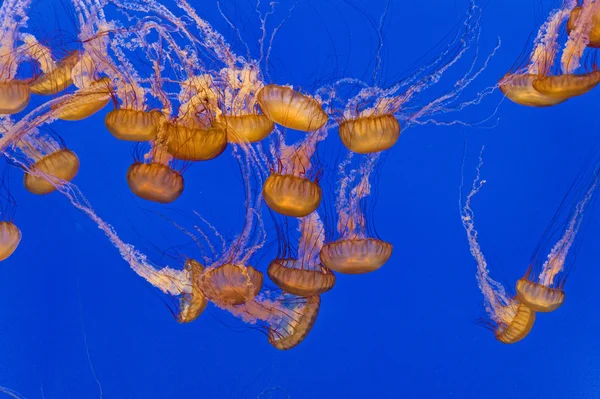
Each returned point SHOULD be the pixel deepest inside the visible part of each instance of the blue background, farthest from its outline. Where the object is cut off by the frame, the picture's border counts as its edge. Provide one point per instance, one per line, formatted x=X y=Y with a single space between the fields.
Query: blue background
x=407 y=330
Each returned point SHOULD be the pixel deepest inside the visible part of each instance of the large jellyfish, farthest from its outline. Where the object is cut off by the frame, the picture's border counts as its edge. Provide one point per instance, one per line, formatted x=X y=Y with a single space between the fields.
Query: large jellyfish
x=301 y=272
x=541 y=289
x=544 y=81
x=509 y=319
x=355 y=250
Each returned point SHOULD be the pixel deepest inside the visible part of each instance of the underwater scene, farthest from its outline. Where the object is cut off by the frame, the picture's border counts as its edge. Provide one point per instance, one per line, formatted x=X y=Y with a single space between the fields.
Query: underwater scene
x=299 y=199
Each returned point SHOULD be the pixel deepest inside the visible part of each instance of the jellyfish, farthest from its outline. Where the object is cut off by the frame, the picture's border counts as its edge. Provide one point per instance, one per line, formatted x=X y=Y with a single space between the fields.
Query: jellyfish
x=56 y=76
x=292 y=109
x=155 y=176
x=192 y=302
x=541 y=289
x=371 y=115
x=14 y=93
x=509 y=318
x=302 y=273
x=594 y=34
x=355 y=251
x=285 y=319
x=51 y=163
x=10 y=234
x=539 y=84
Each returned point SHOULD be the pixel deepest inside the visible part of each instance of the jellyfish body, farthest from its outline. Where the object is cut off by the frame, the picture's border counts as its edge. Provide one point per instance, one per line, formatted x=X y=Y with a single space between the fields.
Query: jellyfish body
x=516 y=323
x=303 y=275
x=250 y=128
x=519 y=89
x=133 y=125
x=594 y=35
x=45 y=174
x=14 y=96
x=370 y=134
x=86 y=102
x=356 y=255
x=293 y=327
x=155 y=182
x=538 y=297
x=231 y=284
x=192 y=143
x=192 y=301
x=57 y=79
x=291 y=109
x=566 y=86
x=10 y=237
x=292 y=195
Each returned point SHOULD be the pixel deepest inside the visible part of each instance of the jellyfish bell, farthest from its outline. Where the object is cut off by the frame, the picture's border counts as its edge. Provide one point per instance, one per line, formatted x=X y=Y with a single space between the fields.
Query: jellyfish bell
x=290 y=276
x=249 y=128
x=14 y=96
x=133 y=125
x=292 y=195
x=231 y=284
x=369 y=134
x=567 y=85
x=190 y=142
x=85 y=102
x=356 y=255
x=41 y=177
x=519 y=89
x=57 y=79
x=10 y=237
x=538 y=297
x=594 y=34
x=155 y=182
x=516 y=323
x=192 y=303
x=291 y=109
x=289 y=330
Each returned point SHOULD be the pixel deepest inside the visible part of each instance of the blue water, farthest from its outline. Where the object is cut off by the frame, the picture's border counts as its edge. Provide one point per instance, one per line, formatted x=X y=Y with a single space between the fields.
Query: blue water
x=78 y=323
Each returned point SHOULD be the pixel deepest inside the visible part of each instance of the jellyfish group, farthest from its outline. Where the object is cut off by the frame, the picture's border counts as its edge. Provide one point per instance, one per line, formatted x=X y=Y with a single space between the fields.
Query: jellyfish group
x=167 y=82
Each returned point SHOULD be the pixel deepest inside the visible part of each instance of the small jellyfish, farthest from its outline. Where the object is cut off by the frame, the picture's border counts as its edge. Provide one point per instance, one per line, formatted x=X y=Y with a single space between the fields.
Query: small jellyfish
x=285 y=319
x=51 y=165
x=133 y=125
x=154 y=177
x=303 y=274
x=193 y=136
x=10 y=237
x=594 y=34
x=369 y=134
x=354 y=252
x=289 y=108
x=86 y=102
x=230 y=284
x=508 y=318
x=56 y=79
x=541 y=289
x=192 y=300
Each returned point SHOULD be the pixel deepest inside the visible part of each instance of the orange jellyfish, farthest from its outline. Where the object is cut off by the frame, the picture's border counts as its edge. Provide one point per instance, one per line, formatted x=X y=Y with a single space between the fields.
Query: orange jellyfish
x=285 y=319
x=292 y=109
x=292 y=189
x=192 y=136
x=56 y=76
x=509 y=319
x=594 y=35
x=155 y=178
x=51 y=164
x=542 y=287
x=192 y=300
x=10 y=237
x=14 y=93
x=539 y=84
x=355 y=251
x=302 y=273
